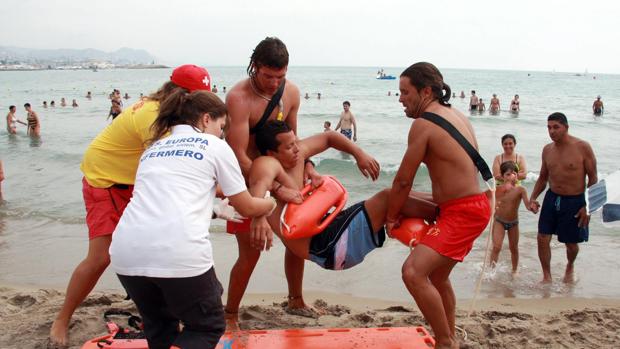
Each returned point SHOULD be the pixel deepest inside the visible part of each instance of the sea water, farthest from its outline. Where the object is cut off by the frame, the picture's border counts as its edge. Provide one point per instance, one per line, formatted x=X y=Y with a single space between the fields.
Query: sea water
x=42 y=226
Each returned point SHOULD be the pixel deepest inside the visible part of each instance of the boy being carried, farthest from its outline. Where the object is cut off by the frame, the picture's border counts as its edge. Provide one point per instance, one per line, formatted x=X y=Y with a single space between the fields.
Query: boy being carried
x=356 y=230
x=508 y=197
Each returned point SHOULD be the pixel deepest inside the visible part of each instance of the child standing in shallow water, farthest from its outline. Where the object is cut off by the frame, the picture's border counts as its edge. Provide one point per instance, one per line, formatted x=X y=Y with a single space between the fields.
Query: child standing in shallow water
x=508 y=197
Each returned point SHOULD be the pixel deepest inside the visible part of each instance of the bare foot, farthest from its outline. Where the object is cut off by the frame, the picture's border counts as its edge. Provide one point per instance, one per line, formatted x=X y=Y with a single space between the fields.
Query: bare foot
x=546 y=279
x=232 y=321
x=452 y=344
x=59 y=336
x=296 y=302
x=308 y=311
x=515 y=274
x=297 y=306
x=569 y=275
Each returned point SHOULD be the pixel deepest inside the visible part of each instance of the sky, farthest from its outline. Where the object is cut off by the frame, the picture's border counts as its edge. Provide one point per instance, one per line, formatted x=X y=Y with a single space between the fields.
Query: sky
x=542 y=35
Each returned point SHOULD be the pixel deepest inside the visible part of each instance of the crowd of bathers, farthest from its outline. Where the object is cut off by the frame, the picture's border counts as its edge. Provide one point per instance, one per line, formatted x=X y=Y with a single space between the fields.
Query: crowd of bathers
x=153 y=191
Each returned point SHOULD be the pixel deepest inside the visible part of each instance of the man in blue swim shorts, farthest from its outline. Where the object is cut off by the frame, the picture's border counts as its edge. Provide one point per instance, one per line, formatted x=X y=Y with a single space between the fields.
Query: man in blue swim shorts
x=355 y=231
x=347 y=124
x=565 y=164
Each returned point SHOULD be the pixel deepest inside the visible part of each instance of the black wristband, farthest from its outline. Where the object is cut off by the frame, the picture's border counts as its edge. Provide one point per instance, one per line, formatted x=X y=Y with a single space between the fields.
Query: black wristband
x=309 y=161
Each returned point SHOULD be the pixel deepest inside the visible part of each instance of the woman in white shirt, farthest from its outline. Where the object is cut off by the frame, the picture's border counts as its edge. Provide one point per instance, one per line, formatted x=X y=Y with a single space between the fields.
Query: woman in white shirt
x=160 y=248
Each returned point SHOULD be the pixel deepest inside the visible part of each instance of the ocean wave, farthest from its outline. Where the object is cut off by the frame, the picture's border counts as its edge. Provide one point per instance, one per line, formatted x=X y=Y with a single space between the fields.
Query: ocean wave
x=21 y=213
x=345 y=165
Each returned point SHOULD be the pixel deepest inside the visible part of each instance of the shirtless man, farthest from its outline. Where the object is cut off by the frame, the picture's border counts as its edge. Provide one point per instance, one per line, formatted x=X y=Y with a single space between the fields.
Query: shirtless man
x=597 y=106
x=12 y=120
x=34 y=126
x=494 y=105
x=565 y=164
x=464 y=209
x=473 y=101
x=361 y=224
x=246 y=103
x=346 y=121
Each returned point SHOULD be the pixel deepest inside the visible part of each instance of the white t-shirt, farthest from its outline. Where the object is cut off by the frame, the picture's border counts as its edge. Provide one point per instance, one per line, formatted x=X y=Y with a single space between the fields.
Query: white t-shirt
x=165 y=228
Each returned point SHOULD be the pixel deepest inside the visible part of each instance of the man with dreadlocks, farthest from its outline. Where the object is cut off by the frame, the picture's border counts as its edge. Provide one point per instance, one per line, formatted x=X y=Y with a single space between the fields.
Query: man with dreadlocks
x=464 y=209
x=265 y=95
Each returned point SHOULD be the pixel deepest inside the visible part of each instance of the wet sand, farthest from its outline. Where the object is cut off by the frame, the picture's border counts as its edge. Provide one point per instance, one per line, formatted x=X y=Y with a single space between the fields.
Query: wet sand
x=495 y=323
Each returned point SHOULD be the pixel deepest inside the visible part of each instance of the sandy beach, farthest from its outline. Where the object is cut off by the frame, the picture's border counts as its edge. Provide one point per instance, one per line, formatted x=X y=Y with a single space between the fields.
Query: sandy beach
x=495 y=323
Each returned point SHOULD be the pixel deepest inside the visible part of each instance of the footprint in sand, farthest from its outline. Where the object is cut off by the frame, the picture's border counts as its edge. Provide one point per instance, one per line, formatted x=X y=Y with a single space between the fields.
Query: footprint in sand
x=22 y=301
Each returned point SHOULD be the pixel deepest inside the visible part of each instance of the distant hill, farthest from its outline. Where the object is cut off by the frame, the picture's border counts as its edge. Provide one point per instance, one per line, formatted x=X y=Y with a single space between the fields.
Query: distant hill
x=123 y=55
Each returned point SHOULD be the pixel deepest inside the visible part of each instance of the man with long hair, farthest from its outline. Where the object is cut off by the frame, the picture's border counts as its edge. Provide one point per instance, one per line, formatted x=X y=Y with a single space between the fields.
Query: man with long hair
x=265 y=95
x=464 y=209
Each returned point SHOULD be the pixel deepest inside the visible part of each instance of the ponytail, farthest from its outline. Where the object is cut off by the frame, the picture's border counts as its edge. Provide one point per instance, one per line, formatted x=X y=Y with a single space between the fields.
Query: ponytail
x=183 y=108
x=447 y=93
x=424 y=74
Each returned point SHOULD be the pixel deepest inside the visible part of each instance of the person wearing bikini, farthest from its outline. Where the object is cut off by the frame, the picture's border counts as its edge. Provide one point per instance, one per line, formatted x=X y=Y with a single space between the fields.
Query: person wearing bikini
x=509 y=142
x=494 y=105
x=514 y=104
x=34 y=126
x=12 y=120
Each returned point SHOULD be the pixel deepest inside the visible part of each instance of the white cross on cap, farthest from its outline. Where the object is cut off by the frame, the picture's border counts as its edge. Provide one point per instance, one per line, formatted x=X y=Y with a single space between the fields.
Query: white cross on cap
x=206 y=80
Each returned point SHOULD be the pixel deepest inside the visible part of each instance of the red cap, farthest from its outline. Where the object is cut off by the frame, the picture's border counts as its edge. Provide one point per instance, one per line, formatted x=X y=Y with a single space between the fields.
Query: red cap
x=191 y=77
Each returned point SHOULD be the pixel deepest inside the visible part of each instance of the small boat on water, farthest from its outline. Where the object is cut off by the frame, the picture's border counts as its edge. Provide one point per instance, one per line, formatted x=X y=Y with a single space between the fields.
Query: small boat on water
x=383 y=76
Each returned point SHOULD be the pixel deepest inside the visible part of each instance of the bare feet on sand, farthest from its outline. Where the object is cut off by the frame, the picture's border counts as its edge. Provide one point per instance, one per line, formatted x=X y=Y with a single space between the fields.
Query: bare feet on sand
x=232 y=321
x=447 y=344
x=297 y=306
x=59 y=336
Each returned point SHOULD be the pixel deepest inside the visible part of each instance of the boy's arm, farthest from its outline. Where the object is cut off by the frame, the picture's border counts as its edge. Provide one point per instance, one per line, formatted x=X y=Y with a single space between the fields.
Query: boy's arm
x=526 y=200
x=320 y=142
x=263 y=173
x=354 y=128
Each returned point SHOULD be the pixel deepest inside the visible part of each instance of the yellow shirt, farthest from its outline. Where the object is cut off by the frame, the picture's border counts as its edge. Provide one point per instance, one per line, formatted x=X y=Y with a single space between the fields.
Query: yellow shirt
x=113 y=156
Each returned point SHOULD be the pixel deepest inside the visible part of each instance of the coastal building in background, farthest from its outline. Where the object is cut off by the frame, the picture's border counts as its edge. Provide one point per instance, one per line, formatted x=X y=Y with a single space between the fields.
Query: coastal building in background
x=15 y=58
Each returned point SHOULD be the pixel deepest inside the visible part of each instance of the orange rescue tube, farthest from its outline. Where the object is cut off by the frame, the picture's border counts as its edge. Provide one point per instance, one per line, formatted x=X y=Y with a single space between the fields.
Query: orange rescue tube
x=313 y=215
x=410 y=231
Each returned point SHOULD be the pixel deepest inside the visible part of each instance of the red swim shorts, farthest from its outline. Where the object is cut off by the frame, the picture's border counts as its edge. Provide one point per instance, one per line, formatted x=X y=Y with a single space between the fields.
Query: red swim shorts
x=234 y=228
x=104 y=207
x=459 y=223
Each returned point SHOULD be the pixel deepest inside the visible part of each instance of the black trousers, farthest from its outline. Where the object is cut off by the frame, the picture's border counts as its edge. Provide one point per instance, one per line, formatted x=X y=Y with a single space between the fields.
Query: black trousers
x=163 y=302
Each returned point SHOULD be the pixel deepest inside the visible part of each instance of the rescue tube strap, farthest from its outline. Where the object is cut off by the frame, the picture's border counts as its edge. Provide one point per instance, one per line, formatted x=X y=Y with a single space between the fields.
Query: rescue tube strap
x=471 y=151
x=275 y=100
